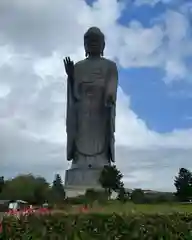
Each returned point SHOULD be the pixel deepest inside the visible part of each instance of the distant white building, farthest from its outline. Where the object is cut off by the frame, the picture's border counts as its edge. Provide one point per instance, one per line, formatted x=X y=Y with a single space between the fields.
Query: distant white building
x=14 y=205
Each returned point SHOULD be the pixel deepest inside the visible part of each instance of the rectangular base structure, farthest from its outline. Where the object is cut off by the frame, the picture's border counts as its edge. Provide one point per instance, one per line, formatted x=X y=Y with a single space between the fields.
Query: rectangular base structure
x=74 y=191
x=78 y=180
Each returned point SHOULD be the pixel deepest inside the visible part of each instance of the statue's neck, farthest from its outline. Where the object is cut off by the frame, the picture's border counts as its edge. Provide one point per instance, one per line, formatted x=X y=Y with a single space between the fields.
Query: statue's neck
x=94 y=57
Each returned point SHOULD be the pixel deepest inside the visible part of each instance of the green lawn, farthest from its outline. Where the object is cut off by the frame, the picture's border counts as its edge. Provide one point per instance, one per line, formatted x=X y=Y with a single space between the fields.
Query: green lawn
x=149 y=208
x=137 y=208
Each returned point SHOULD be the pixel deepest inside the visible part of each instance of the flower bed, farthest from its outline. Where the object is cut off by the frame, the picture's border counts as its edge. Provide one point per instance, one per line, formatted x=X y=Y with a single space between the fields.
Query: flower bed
x=98 y=226
x=18 y=214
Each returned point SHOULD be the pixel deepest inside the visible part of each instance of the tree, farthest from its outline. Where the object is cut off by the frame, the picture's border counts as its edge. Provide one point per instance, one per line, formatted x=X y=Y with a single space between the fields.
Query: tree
x=159 y=197
x=26 y=187
x=123 y=196
x=41 y=191
x=183 y=184
x=110 y=179
x=2 y=183
x=58 y=189
x=138 y=196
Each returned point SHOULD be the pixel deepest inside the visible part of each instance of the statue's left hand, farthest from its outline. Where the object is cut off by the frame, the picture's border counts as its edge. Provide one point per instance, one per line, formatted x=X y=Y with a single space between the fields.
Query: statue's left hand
x=69 y=66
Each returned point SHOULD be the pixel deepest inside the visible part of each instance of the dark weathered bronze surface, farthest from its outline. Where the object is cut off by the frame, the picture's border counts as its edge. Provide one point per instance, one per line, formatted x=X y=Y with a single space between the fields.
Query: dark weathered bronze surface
x=91 y=102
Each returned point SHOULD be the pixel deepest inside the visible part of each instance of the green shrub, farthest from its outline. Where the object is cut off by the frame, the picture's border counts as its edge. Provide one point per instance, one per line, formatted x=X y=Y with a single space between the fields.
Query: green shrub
x=99 y=226
x=138 y=196
x=91 y=195
x=155 y=198
x=79 y=200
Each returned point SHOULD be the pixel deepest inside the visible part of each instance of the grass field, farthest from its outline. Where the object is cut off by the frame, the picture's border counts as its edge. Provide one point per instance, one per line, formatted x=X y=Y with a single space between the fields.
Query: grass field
x=120 y=208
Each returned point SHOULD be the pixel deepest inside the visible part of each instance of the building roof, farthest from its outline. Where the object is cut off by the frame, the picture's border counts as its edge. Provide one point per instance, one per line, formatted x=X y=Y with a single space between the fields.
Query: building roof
x=7 y=201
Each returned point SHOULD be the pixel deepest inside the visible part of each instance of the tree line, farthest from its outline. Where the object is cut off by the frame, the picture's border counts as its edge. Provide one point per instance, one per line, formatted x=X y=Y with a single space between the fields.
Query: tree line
x=37 y=190
x=111 y=179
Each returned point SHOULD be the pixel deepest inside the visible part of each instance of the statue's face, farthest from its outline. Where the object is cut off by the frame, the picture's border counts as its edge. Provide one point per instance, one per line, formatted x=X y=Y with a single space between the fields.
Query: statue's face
x=94 y=42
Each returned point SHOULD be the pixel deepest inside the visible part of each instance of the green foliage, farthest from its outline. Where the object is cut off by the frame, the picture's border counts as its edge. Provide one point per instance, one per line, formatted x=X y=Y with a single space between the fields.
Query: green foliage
x=99 y=226
x=57 y=190
x=123 y=196
x=2 y=183
x=79 y=200
x=154 y=198
x=138 y=196
x=183 y=184
x=26 y=187
x=34 y=190
x=91 y=195
x=110 y=179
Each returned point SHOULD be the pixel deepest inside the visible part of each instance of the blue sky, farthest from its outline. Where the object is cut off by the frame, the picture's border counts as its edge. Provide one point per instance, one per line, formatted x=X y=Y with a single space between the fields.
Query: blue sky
x=159 y=104
x=155 y=102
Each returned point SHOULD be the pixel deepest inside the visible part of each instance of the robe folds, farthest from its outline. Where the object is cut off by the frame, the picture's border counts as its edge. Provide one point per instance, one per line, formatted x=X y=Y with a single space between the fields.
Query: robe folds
x=91 y=111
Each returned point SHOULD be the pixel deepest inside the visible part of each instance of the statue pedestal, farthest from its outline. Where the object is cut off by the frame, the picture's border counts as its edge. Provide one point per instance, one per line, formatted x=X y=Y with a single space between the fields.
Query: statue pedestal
x=78 y=180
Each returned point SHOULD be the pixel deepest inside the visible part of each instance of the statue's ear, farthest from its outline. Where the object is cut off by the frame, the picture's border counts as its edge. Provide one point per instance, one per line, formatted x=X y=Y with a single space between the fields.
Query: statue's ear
x=102 y=49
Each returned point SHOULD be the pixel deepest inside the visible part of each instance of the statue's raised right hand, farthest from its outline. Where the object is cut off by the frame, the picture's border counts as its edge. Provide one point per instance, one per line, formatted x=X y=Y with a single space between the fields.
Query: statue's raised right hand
x=69 y=66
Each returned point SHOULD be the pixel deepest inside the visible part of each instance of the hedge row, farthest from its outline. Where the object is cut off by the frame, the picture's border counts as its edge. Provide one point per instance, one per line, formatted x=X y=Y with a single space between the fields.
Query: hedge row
x=99 y=226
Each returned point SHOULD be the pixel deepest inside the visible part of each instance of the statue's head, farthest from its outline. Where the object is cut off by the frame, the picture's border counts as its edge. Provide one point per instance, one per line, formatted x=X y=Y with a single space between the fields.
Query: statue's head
x=94 y=42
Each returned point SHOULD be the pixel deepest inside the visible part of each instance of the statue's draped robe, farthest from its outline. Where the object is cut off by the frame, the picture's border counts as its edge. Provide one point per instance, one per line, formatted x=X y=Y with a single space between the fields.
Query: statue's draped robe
x=90 y=122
